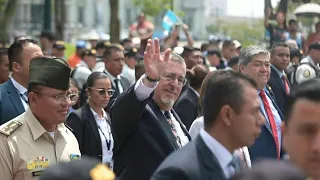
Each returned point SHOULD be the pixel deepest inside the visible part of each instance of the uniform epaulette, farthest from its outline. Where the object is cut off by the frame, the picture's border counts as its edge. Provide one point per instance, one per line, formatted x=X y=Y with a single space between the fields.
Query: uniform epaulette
x=10 y=127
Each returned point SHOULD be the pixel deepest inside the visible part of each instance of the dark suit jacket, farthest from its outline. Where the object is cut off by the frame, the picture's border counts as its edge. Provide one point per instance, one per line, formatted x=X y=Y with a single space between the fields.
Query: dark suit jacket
x=143 y=138
x=84 y=127
x=125 y=83
x=10 y=102
x=195 y=161
x=187 y=106
x=279 y=89
x=264 y=146
x=221 y=65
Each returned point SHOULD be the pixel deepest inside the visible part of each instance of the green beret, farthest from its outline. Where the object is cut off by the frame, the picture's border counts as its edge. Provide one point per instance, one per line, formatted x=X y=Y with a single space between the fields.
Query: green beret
x=50 y=72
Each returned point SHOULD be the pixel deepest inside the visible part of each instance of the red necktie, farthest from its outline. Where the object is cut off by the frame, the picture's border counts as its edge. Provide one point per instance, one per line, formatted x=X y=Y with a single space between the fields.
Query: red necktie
x=271 y=120
x=286 y=84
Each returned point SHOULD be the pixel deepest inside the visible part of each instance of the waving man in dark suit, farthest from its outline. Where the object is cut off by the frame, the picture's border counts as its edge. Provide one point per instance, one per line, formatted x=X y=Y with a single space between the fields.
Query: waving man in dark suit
x=145 y=127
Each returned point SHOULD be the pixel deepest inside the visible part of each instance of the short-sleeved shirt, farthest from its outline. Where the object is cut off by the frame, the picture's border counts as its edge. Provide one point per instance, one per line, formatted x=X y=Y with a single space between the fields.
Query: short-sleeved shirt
x=277 y=34
x=29 y=149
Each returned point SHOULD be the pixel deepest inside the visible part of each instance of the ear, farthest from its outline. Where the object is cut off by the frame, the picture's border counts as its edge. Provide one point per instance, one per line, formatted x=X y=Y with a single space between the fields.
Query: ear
x=32 y=98
x=226 y=114
x=15 y=67
x=241 y=68
x=283 y=128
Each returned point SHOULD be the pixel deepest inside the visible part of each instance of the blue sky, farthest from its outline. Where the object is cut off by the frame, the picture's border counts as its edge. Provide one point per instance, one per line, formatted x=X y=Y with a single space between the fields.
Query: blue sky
x=247 y=8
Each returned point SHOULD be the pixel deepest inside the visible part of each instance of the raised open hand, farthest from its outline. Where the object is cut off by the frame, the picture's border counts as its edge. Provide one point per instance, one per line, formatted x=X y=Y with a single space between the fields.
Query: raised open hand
x=154 y=62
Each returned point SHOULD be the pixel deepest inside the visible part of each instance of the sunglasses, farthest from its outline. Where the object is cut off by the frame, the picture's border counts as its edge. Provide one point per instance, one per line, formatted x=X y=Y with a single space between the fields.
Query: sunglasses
x=103 y=92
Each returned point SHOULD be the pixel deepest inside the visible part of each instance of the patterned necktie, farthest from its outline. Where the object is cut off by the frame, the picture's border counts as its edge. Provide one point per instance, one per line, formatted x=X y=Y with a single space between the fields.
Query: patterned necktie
x=24 y=97
x=173 y=128
x=272 y=121
x=236 y=164
x=117 y=90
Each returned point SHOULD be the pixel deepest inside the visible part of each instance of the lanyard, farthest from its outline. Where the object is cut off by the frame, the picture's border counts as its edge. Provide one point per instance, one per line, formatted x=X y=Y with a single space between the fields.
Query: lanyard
x=108 y=141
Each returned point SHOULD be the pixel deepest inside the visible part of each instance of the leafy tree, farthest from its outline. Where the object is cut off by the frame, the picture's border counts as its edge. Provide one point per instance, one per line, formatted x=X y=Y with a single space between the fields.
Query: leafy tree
x=153 y=7
x=7 y=10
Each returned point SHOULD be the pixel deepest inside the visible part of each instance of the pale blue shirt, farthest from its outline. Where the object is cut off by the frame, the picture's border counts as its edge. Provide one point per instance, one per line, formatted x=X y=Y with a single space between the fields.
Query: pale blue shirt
x=223 y=156
x=275 y=113
x=21 y=90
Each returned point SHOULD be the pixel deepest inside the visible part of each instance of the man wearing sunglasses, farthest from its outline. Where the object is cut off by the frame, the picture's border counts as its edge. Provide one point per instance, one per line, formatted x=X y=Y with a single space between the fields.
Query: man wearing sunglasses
x=146 y=128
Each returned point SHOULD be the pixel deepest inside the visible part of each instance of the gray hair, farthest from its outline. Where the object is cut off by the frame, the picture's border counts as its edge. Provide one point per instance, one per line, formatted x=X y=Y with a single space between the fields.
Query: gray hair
x=247 y=54
x=174 y=57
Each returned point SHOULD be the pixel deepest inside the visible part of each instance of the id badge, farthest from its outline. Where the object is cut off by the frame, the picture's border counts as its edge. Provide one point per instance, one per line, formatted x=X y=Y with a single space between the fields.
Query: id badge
x=109 y=164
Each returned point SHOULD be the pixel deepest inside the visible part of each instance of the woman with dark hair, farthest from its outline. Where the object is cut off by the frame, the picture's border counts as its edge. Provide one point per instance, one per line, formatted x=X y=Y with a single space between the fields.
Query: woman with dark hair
x=91 y=124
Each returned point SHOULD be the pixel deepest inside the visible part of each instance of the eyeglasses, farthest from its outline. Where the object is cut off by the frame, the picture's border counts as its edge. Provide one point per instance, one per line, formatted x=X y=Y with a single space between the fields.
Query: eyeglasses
x=62 y=98
x=103 y=92
x=172 y=77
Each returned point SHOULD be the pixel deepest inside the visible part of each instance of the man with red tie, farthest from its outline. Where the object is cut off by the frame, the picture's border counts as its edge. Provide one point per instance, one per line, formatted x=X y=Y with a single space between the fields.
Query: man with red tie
x=254 y=61
x=280 y=58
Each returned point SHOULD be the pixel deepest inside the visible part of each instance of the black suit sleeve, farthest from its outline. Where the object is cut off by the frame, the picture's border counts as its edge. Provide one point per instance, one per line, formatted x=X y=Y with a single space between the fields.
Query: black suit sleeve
x=77 y=126
x=126 y=115
x=170 y=173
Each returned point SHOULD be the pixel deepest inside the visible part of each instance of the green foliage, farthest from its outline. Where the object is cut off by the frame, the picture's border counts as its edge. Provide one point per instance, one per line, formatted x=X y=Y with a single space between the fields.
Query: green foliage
x=152 y=7
x=247 y=33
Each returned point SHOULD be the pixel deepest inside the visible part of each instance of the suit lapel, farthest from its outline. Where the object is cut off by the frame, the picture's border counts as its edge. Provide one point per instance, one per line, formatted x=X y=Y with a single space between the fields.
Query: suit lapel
x=15 y=97
x=91 y=120
x=278 y=79
x=183 y=127
x=211 y=169
x=162 y=120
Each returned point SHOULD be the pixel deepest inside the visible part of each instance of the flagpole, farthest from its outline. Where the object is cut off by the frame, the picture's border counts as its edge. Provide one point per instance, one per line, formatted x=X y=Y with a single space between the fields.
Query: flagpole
x=172 y=5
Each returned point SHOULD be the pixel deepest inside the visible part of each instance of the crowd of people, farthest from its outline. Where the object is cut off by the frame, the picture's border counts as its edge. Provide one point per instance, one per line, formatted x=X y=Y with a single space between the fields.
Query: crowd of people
x=154 y=112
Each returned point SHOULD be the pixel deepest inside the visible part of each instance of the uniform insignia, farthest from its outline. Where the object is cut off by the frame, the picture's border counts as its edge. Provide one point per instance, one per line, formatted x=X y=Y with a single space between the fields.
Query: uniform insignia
x=306 y=73
x=74 y=157
x=39 y=163
x=10 y=127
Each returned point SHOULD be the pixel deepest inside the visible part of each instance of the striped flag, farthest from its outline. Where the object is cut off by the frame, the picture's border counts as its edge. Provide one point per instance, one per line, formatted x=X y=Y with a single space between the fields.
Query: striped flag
x=169 y=19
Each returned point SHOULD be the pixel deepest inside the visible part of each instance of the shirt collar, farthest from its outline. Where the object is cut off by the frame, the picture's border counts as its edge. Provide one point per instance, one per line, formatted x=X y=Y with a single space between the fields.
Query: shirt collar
x=36 y=128
x=96 y=116
x=278 y=71
x=82 y=63
x=112 y=78
x=221 y=153
x=18 y=86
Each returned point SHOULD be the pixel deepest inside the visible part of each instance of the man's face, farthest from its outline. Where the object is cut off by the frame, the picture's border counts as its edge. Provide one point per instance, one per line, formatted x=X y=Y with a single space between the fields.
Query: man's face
x=4 y=68
x=293 y=27
x=131 y=62
x=170 y=84
x=44 y=43
x=115 y=63
x=194 y=59
x=229 y=52
x=301 y=136
x=280 y=58
x=58 y=52
x=315 y=53
x=49 y=106
x=214 y=60
x=246 y=125
x=90 y=60
x=30 y=51
x=258 y=69
x=280 y=18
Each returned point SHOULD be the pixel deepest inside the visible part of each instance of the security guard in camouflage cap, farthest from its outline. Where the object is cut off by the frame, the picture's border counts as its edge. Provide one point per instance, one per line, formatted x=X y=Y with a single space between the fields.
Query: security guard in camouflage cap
x=84 y=169
x=309 y=66
x=38 y=138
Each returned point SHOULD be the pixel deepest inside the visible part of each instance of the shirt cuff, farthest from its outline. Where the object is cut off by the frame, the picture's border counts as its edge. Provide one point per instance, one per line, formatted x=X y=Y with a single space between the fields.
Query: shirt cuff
x=142 y=91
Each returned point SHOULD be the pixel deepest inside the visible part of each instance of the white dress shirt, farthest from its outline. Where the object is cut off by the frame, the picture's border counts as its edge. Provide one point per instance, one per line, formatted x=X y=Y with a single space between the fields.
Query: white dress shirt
x=143 y=92
x=112 y=78
x=198 y=125
x=104 y=129
x=21 y=90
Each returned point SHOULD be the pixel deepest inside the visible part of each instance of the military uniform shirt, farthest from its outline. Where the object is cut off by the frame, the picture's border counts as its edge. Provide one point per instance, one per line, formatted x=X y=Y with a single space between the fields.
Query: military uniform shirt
x=26 y=148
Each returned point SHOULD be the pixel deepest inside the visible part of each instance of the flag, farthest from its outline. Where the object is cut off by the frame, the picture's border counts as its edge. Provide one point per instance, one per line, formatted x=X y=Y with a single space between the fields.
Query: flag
x=169 y=19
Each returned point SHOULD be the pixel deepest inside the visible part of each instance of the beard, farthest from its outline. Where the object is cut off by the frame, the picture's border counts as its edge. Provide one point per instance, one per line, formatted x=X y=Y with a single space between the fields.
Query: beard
x=169 y=102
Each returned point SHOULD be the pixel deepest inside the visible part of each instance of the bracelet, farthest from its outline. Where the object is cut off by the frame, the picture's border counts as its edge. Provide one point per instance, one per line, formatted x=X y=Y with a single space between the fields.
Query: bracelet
x=151 y=80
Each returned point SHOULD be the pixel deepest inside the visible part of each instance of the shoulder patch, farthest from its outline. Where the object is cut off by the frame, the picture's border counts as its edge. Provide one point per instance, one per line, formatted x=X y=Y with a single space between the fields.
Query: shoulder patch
x=10 y=127
x=306 y=73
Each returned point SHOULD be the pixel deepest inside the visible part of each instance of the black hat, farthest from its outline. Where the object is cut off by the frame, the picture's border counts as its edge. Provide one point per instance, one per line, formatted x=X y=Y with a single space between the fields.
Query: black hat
x=50 y=72
x=89 y=52
x=214 y=52
x=314 y=45
x=59 y=45
x=83 y=169
x=233 y=61
x=102 y=44
x=132 y=52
